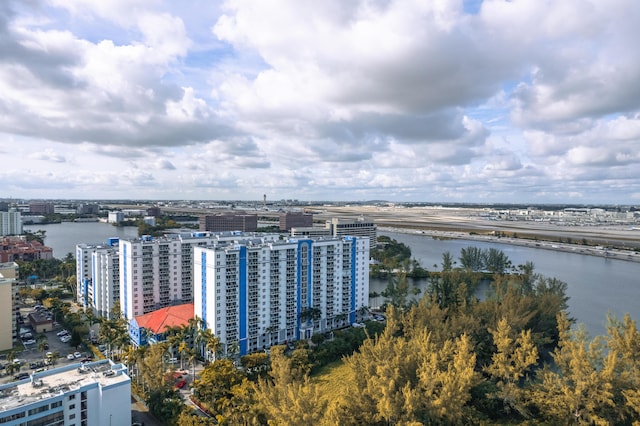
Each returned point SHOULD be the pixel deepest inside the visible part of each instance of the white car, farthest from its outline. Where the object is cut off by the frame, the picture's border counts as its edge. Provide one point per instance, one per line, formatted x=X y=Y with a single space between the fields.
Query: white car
x=62 y=333
x=70 y=356
x=29 y=342
x=77 y=354
x=65 y=339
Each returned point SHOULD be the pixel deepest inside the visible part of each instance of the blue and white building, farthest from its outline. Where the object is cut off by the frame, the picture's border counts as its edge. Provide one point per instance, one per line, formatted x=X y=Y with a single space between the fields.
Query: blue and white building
x=158 y=272
x=254 y=294
x=92 y=394
x=98 y=276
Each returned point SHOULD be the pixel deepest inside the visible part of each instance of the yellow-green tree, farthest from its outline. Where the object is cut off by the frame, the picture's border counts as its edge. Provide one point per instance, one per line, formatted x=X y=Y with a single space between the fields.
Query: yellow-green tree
x=287 y=396
x=578 y=390
x=623 y=341
x=511 y=362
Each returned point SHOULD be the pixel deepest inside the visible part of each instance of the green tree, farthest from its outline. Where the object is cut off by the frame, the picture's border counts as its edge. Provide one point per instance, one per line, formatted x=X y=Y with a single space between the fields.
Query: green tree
x=496 y=261
x=472 y=258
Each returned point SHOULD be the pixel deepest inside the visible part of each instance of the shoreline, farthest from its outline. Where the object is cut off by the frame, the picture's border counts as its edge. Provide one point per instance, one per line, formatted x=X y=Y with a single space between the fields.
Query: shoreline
x=597 y=251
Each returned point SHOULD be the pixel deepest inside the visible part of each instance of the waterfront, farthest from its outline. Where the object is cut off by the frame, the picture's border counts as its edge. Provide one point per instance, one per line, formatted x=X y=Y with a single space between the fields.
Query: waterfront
x=63 y=237
x=596 y=285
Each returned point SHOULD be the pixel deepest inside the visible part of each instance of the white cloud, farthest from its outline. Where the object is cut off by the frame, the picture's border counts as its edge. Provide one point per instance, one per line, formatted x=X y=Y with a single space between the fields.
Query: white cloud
x=529 y=100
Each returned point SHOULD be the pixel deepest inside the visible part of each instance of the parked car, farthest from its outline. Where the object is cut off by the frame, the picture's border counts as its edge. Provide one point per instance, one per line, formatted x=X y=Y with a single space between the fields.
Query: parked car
x=77 y=355
x=70 y=356
x=21 y=376
x=62 y=333
x=180 y=384
x=29 y=342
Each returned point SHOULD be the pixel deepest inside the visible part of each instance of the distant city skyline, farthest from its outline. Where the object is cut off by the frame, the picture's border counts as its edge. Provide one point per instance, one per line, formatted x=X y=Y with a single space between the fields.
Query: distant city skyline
x=469 y=101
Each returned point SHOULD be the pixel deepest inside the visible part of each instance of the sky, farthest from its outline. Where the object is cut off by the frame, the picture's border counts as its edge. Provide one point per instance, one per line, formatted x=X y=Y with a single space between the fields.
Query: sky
x=521 y=101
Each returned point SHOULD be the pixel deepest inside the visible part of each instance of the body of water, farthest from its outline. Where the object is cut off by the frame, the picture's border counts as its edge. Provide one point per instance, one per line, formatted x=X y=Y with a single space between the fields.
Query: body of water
x=596 y=285
x=63 y=237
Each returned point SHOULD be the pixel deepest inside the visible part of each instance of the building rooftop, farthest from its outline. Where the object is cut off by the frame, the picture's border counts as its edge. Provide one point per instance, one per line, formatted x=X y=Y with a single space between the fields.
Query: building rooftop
x=57 y=382
x=171 y=316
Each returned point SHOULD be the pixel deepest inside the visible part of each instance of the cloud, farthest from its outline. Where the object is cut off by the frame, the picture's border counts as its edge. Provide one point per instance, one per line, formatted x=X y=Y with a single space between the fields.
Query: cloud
x=48 y=155
x=472 y=101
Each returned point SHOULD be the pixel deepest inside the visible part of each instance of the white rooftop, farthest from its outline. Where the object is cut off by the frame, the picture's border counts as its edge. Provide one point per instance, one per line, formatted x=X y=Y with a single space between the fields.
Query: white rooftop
x=58 y=381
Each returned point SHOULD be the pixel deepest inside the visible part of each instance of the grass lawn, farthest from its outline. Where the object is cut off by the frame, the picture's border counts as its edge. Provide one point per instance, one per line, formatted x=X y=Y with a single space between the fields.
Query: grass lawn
x=331 y=379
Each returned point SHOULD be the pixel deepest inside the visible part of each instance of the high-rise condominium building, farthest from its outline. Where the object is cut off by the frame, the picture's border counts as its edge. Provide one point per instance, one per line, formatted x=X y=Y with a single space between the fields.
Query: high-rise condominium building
x=98 y=276
x=10 y=222
x=254 y=294
x=158 y=272
x=92 y=394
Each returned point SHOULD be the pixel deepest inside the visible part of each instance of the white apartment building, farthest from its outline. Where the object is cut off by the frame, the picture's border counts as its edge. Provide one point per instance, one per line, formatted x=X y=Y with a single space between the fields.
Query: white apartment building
x=253 y=294
x=158 y=272
x=93 y=394
x=359 y=227
x=98 y=276
x=10 y=222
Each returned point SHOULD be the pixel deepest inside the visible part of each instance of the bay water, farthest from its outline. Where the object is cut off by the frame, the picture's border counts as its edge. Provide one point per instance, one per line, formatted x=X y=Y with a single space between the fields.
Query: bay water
x=595 y=285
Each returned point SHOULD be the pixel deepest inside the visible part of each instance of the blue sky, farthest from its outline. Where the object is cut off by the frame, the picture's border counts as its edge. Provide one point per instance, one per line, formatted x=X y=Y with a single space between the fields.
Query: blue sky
x=523 y=101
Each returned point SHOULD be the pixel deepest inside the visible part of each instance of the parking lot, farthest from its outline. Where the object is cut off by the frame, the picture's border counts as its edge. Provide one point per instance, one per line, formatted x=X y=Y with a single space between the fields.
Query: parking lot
x=32 y=359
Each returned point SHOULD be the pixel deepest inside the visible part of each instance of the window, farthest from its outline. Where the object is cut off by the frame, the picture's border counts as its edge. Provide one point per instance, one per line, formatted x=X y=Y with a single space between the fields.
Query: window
x=56 y=404
x=72 y=406
x=72 y=416
x=73 y=396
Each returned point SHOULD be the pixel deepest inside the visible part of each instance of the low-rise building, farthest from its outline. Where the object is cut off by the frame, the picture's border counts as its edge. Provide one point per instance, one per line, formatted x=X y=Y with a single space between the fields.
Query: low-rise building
x=152 y=327
x=97 y=393
x=18 y=248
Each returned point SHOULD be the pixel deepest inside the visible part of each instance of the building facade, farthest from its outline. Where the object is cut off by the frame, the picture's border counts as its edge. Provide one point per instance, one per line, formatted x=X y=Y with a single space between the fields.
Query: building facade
x=360 y=227
x=8 y=298
x=43 y=208
x=115 y=217
x=229 y=222
x=152 y=327
x=158 y=272
x=98 y=276
x=290 y=220
x=257 y=294
x=18 y=248
x=10 y=222
x=310 y=232
x=91 y=394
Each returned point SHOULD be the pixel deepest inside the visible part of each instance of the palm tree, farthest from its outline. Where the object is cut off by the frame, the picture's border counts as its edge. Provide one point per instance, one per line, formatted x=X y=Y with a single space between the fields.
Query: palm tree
x=11 y=366
x=42 y=344
x=211 y=343
x=271 y=330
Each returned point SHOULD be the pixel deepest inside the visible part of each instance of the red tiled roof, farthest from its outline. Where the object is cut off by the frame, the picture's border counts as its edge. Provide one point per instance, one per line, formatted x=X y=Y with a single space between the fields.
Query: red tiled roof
x=172 y=316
